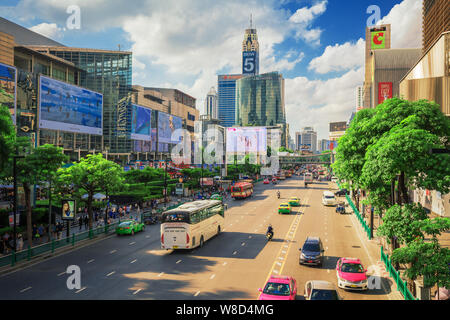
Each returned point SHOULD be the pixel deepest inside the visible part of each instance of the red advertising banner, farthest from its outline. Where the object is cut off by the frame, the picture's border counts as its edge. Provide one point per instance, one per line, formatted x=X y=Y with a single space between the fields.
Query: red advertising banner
x=384 y=91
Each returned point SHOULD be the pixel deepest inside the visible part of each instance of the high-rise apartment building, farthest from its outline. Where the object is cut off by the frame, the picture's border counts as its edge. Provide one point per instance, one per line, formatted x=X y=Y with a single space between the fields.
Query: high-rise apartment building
x=307 y=140
x=250 y=52
x=260 y=100
x=435 y=21
x=211 y=104
x=227 y=99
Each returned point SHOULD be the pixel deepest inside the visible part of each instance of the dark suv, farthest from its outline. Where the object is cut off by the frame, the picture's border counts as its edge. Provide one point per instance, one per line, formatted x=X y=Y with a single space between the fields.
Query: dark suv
x=312 y=252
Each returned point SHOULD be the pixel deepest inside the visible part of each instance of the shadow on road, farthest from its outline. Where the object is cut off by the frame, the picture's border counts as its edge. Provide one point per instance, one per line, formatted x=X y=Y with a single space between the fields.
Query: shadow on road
x=329 y=262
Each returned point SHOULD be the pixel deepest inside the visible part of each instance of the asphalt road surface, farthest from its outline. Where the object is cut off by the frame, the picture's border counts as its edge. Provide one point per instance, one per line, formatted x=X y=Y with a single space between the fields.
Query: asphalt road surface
x=232 y=265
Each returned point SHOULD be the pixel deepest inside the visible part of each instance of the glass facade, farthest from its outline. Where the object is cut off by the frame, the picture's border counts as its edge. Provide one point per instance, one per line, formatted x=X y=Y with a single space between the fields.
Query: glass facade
x=108 y=73
x=260 y=100
x=227 y=99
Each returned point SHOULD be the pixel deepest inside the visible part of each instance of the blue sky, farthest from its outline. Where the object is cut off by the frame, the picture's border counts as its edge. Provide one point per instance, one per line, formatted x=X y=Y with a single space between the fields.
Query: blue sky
x=316 y=44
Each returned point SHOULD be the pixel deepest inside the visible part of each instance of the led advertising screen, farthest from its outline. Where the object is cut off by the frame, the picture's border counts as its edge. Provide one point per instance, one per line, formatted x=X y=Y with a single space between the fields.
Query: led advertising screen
x=8 y=80
x=69 y=108
x=140 y=123
x=247 y=139
x=167 y=124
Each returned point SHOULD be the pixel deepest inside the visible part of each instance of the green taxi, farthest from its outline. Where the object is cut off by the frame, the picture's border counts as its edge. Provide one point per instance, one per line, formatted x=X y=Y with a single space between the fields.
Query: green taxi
x=217 y=197
x=284 y=208
x=294 y=202
x=129 y=227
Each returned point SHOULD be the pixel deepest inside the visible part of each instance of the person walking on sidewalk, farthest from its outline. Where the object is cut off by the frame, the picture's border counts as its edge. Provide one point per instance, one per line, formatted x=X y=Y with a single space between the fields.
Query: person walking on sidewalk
x=86 y=222
x=80 y=222
x=40 y=232
x=19 y=242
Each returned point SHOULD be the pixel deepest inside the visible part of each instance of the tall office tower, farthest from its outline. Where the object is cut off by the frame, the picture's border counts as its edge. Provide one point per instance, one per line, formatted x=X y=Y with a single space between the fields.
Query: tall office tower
x=211 y=104
x=227 y=99
x=298 y=141
x=309 y=139
x=435 y=21
x=359 y=95
x=250 y=52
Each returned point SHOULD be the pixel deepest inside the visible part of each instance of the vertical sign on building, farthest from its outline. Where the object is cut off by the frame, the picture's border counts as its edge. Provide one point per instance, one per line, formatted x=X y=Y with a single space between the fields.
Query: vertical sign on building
x=378 y=39
x=250 y=64
x=384 y=91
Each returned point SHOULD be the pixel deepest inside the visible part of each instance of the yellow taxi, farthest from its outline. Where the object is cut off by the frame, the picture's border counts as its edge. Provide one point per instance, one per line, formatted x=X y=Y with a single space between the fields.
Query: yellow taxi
x=294 y=202
x=284 y=208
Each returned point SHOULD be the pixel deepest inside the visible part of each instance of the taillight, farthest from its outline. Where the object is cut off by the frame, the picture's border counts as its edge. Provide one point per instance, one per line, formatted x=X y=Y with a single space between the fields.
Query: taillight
x=187 y=238
x=162 y=238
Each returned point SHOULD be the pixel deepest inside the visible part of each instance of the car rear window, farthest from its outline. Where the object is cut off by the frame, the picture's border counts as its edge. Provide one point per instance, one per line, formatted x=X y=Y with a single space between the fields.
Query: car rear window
x=125 y=224
x=324 y=295
x=277 y=289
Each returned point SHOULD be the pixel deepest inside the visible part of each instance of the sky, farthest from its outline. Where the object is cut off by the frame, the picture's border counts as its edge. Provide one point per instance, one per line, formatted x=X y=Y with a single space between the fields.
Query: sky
x=317 y=45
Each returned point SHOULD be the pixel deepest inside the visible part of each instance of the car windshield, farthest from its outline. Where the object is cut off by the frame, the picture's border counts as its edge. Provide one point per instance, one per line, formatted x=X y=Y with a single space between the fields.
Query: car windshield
x=324 y=295
x=277 y=289
x=329 y=197
x=311 y=247
x=352 y=268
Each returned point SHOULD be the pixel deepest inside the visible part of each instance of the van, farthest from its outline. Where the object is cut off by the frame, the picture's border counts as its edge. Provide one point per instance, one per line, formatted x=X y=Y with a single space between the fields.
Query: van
x=328 y=198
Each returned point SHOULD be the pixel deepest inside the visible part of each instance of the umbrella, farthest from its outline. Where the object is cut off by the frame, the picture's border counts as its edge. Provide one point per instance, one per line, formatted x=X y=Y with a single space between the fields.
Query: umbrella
x=97 y=196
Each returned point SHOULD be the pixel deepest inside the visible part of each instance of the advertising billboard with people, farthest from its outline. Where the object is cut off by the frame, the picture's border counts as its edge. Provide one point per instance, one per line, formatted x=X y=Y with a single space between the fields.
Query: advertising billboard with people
x=140 y=123
x=8 y=80
x=66 y=107
x=167 y=124
x=246 y=140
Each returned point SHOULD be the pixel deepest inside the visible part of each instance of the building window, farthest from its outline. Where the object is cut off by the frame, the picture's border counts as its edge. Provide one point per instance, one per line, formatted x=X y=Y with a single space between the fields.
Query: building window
x=58 y=74
x=41 y=68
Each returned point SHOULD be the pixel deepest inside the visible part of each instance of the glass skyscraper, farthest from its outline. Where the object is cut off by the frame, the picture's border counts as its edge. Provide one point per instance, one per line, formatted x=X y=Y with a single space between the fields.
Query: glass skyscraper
x=227 y=98
x=260 y=100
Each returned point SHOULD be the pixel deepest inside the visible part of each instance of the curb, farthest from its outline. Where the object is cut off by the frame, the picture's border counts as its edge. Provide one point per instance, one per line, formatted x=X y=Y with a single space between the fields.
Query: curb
x=58 y=252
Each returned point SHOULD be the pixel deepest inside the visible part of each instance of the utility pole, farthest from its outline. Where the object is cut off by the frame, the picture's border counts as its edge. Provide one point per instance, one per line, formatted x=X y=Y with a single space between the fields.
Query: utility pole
x=15 y=198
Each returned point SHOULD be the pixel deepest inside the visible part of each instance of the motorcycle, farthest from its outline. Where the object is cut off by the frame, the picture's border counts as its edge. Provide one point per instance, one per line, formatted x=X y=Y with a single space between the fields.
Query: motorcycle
x=269 y=236
x=278 y=195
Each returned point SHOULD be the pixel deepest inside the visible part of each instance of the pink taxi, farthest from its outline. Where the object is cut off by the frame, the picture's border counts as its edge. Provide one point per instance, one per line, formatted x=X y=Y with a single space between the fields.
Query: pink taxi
x=351 y=274
x=279 y=288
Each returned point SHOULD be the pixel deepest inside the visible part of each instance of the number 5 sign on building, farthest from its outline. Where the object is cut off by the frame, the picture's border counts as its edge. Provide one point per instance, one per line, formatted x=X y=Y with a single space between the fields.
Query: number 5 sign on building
x=250 y=62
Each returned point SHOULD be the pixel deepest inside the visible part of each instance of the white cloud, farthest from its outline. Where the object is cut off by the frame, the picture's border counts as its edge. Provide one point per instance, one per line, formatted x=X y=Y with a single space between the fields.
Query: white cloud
x=339 y=57
x=302 y=20
x=406 y=24
x=50 y=30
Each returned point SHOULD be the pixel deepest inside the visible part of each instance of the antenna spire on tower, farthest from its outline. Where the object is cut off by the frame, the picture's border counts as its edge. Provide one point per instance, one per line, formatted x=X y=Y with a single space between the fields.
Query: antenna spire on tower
x=251 y=23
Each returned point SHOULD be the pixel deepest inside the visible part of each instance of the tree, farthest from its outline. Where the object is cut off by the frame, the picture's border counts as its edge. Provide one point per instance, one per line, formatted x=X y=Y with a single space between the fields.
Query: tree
x=92 y=174
x=7 y=136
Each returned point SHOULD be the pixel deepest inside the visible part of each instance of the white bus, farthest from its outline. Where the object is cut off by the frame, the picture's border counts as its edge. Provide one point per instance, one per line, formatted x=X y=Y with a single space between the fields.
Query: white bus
x=191 y=224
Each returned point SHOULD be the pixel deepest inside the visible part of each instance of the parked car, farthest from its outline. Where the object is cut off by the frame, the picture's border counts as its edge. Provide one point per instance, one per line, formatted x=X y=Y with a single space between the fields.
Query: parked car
x=321 y=290
x=312 y=252
x=279 y=288
x=351 y=274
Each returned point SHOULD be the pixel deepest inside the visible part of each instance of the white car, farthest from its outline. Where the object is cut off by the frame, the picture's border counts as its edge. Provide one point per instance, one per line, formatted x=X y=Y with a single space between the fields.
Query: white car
x=328 y=198
x=321 y=290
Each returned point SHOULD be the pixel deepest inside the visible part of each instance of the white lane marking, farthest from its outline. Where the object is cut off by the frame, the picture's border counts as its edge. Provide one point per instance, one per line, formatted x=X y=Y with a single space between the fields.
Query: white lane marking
x=212 y=277
x=243 y=244
x=113 y=251
x=131 y=243
x=234 y=252
x=279 y=263
x=280 y=258
x=284 y=251
x=92 y=260
x=26 y=289
x=159 y=275
x=224 y=263
x=60 y=274
x=78 y=291
x=249 y=237
x=178 y=262
x=133 y=261
x=275 y=271
x=147 y=238
x=328 y=270
x=110 y=274
x=197 y=293
x=137 y=291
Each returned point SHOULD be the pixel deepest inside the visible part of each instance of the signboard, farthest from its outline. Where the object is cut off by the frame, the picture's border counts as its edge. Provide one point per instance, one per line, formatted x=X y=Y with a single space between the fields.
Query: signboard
x=140 y=123
x=11 y=219
x=378 y=39
x=68 y=210
x=206 y=181
x=167 y=124
x=69 y=108
x=331 y=145
x=250 y=62
x=384 y=91
x=247 y=139
x=305 y=147
x=179 y=188
x=8 y=81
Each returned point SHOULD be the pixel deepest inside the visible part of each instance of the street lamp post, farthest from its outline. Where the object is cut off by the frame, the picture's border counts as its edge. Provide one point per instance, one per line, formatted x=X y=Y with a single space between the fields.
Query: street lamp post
x=15 y=197
x=165 y=181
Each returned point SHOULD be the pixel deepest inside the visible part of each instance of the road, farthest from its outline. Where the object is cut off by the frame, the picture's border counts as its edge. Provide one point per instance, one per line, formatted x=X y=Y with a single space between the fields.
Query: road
x=232 y=265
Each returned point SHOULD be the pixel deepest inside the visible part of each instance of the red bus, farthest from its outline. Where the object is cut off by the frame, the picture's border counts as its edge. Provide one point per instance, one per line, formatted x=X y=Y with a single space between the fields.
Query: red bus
x=242 y=190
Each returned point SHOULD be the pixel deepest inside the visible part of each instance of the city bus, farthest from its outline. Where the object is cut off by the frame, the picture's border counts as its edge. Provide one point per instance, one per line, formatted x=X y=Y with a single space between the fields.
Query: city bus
x=191 y=224
x=242 y=190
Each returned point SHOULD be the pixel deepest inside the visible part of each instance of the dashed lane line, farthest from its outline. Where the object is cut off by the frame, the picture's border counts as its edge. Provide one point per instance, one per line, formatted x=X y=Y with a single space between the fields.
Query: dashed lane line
x=110 y=274
x=26 y=289
x=78 y=291
x=137 y=291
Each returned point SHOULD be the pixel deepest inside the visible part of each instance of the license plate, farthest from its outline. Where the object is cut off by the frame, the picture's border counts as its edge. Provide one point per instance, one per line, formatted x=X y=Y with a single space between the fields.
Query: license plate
x=354 y=286
x=175 y=247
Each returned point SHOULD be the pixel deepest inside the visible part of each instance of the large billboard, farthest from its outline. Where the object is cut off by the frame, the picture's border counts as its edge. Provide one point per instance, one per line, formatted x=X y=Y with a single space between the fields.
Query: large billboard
x=246 y=140
x=167 y=124
x=66 y=107
x=140 y=123
x=250 y=61
x=384 y=91
x=8 y=80
x=338 y=126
